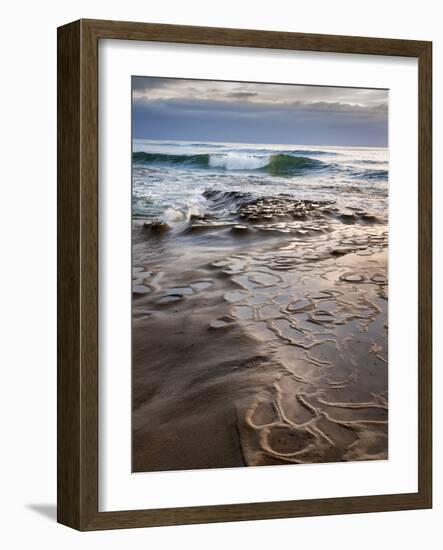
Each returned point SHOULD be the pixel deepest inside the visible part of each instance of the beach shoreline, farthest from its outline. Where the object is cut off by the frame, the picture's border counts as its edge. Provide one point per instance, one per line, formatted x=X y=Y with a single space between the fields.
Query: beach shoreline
x=260 y=335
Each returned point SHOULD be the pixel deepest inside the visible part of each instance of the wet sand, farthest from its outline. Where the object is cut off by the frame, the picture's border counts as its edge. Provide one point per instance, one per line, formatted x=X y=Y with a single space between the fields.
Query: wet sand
x=260 y=338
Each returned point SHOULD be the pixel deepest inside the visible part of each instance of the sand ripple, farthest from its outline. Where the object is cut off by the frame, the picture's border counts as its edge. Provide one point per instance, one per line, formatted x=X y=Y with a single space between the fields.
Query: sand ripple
x=311 y=306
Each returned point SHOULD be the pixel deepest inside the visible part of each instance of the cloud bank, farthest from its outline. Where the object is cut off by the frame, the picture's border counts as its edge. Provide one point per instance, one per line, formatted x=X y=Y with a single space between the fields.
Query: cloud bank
x=199 y=110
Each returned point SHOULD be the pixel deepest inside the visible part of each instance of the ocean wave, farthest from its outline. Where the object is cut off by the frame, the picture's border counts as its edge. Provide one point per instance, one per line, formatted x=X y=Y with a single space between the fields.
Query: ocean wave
x=311 y=152
x=371 y=174
x=275 y=164
x=199 y=160
x=235 y=161
x=222 y=200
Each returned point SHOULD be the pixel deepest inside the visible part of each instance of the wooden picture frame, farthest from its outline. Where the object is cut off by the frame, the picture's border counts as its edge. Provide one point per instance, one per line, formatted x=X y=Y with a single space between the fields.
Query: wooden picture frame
x=78 y=274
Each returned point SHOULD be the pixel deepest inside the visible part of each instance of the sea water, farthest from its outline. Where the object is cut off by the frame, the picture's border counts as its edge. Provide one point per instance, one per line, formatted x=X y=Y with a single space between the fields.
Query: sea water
x=171 y=177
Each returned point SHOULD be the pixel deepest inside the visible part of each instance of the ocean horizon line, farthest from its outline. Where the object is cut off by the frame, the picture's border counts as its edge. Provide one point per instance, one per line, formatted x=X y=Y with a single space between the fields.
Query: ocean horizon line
x=167 y=140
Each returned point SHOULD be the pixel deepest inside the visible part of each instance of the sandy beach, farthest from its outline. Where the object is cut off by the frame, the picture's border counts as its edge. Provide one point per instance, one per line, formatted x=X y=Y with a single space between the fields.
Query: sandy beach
x=260 y=335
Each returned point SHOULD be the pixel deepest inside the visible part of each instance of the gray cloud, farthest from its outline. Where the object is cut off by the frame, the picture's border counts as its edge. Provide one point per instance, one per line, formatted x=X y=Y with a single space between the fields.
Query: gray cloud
x=140 y=83
x=149 y=88
x=242 y=95
x=237 y=111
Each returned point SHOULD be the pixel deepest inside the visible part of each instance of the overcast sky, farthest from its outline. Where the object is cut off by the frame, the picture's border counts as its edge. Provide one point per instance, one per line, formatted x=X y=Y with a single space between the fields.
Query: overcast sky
x=205 y=110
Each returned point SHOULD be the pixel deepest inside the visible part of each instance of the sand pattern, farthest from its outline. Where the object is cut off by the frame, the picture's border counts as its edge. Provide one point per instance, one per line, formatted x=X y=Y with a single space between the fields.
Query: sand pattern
x=264 y=341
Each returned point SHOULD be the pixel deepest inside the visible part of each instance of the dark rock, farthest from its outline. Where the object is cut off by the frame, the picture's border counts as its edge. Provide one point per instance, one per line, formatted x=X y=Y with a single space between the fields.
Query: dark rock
x=156 y=227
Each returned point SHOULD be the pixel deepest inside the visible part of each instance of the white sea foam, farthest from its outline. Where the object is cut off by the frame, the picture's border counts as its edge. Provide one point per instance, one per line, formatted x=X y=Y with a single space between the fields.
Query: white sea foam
x=184 y=211
x=236 y=161
x=172 y=189
x=174 y=215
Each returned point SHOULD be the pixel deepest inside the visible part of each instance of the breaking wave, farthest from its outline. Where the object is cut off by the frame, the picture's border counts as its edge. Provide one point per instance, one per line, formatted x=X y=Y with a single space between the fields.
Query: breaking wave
x=277 y=164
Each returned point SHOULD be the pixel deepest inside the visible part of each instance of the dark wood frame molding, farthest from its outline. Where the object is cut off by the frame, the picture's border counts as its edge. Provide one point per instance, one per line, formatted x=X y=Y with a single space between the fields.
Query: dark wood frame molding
x=77 y=456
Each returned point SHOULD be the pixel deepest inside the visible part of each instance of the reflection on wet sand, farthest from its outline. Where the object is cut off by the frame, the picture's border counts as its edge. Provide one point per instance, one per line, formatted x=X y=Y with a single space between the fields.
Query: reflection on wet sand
x=260 y=338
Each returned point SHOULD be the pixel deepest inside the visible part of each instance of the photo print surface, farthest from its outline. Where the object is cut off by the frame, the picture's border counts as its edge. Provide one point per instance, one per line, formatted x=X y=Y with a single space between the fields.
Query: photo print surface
x=259 y=274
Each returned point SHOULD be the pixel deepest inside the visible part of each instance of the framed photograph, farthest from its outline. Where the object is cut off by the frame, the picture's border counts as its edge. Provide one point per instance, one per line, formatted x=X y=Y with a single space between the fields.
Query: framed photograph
x=244 y=275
